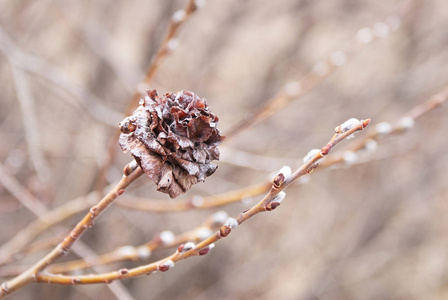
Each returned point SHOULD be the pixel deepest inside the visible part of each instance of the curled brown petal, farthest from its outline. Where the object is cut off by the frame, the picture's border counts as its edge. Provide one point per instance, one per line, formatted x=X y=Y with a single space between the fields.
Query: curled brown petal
x=173 y=138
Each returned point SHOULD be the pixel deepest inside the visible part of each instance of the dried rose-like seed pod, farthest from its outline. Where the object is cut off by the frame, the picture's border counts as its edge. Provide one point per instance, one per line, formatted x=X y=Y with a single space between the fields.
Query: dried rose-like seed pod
x=173 y=138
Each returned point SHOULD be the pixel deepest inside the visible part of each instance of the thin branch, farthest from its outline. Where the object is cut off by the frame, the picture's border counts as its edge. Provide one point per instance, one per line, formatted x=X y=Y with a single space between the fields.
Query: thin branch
x=25 y=97
x=268 y=203
x=77 y=205
x=321 y=70
x=195 y=202
x=384 y=129
x=20 y=193
x=27 y=277
x=45 y=221
x=164 y=240
x=88 y=102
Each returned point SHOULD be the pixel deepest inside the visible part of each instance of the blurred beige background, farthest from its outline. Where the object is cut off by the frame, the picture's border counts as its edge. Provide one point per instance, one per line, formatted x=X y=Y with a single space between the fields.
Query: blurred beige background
x=375 y=230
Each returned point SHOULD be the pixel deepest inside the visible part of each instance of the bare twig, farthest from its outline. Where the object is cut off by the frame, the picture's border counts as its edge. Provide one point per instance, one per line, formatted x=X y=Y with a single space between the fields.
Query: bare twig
x=22 y=194
x=25 y=97
x=45 y=221
x=383 y=129
x=89 y=103
x=164 y=240
x=268 y=203
x=27 y=277
x=77 y=205
x=195 y=202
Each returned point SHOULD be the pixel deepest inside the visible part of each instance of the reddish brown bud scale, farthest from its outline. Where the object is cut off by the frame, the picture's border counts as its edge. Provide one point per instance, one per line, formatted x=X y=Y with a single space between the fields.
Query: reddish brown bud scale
x=279 y=180
x=272 y=205
x=366 y=123
x=225 y=231
x=180 y=248
x=326 y=149
x=123 y=271
x=204 y=251
x=120 y=192
x=163 y=268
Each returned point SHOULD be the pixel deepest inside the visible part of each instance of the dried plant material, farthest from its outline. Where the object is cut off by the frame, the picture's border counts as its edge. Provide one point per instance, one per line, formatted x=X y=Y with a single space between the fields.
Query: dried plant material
x=173 y=138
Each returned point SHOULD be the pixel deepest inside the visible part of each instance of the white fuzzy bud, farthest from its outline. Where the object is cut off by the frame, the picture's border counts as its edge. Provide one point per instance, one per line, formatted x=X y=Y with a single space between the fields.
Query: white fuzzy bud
x=406 y=123
x=167 y=237
x=169 y=263
x=380 y=29
x=211 y=246
x=321 y=68
x=200 y=3
x=310 y=155
x=188 y=246
x=338 y=58
x=203 y=233
x=350 y=157
x=286 y=171
x=364 y=35
x=179 y=16
x=293 y=88
x=279 y=197
x=197 y=201
x=394 y=21
x=231 y=222
x=383 y=128
x=126 y=251
x=347 y=125
x=371 y=145
x=143 y=252
x=246 y=199
x=172 y=44
x=220 y=217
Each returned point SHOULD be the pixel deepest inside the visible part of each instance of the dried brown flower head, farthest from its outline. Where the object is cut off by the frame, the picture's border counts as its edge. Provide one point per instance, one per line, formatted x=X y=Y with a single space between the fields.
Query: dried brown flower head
x=173 y=138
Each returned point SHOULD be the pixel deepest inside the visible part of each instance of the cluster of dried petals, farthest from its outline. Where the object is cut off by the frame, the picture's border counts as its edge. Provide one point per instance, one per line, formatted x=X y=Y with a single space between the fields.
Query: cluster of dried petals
x=173 y=138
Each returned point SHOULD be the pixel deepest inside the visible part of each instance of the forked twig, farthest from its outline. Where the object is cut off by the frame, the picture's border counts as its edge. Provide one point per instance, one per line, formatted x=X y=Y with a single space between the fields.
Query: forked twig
x=131 y=173
x=77 y=205
x=268 y=203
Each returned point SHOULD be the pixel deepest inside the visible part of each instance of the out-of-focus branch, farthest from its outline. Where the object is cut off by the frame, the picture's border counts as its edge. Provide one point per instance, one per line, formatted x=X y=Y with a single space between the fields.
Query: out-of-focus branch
x=88 y=102
x=320 y=71
x=383 y=129
x=168 y=44
x=45 y=221
x=195 y=202
x=25 y=97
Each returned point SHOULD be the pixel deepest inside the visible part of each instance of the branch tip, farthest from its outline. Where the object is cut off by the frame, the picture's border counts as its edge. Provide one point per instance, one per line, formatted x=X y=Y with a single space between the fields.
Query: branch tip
x=366 y=123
